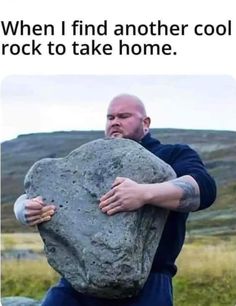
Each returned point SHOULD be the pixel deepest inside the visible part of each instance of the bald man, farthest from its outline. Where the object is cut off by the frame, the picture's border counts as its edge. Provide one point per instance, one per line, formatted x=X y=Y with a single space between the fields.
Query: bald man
x=193 y=189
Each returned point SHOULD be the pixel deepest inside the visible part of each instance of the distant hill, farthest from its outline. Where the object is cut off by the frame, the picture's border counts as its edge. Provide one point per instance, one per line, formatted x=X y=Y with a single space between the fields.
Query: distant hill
x=217 y=149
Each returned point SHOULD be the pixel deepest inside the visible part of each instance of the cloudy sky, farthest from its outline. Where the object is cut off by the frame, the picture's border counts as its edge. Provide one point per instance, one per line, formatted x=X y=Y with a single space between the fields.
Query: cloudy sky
x=31 y=104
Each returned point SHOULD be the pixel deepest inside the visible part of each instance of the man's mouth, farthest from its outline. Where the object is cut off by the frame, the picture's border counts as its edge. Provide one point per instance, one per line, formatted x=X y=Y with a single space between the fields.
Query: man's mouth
x=115 y=133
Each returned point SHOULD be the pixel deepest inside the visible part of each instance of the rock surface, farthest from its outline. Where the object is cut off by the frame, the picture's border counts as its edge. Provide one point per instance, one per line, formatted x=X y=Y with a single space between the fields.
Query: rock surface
x=19 y=301
x=100 y=255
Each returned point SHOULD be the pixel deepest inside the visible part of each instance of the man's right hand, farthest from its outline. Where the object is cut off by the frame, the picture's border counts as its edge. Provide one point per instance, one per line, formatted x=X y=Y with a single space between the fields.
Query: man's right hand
x=32 y=211
x=36 y=211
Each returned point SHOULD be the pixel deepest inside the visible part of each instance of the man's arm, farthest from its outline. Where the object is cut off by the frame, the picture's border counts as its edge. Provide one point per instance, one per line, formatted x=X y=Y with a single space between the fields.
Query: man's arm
x=181 y=194
x=32 y=211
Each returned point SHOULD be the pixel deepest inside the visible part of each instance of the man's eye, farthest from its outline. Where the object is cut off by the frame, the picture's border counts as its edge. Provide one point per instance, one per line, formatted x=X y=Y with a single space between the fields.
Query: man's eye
x=123 y=116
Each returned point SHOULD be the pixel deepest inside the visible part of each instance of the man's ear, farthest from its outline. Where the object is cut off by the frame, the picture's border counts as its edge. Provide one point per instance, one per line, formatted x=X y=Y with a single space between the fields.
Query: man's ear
x=146 y=123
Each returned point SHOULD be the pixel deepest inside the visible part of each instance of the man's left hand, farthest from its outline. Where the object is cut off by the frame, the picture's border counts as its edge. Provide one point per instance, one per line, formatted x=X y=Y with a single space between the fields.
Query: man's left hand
x=125 y=195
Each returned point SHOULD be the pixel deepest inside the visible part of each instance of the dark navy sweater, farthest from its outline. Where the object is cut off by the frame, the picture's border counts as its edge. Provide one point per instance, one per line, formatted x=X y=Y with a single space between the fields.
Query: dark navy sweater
x=184 y=161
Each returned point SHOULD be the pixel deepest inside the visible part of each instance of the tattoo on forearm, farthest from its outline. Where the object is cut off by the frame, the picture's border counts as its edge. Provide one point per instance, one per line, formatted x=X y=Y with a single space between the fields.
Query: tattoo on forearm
x=190 y=200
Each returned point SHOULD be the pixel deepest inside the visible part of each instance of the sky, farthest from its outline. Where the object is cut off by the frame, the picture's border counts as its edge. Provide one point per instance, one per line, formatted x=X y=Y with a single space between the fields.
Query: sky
x=32 y=104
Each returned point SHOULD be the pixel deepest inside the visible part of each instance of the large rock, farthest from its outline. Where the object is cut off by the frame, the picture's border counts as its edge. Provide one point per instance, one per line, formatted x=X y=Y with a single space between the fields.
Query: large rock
x=105 y=256
x=19 y=301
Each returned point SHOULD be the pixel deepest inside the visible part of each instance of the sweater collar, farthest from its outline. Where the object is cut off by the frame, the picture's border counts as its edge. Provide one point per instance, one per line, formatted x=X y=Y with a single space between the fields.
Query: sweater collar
x=147 y=140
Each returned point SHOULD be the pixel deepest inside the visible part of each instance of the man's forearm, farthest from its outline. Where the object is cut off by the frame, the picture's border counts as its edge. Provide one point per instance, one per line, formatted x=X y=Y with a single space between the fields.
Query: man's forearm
x=181 y=194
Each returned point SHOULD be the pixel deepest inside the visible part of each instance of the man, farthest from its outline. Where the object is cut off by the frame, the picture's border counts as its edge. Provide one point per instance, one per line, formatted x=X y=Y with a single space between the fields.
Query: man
x=193 y=189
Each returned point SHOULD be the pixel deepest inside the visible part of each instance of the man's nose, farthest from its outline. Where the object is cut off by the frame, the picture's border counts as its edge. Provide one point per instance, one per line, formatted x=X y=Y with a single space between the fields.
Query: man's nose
x=115 y=121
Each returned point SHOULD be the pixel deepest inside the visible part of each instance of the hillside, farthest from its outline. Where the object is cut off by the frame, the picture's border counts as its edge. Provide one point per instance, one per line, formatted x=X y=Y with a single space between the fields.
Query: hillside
x=217 y=149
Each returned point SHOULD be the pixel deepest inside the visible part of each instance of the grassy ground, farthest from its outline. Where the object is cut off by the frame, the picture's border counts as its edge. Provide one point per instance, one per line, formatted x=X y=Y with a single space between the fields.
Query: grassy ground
x=206 y=276
x=14 y=241
x=30 y=278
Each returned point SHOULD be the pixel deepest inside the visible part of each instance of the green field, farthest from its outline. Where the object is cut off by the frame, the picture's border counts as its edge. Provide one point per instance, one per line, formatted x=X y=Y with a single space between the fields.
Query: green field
x=206 y=277
x=207 y=274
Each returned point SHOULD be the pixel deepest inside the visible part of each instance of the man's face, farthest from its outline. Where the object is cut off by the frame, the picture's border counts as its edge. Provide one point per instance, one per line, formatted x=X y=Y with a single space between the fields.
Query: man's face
x=124 y=120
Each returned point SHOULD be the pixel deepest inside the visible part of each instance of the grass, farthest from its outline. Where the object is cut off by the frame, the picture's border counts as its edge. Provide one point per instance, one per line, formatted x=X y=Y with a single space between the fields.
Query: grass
x=31 y=241
x=205 y=291
x=207 y=274
x=30 y=278
x=206 y=271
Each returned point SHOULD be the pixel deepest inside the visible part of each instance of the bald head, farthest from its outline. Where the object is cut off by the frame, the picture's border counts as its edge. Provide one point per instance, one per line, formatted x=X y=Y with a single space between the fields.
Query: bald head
x=126 y=117
x=127 y=99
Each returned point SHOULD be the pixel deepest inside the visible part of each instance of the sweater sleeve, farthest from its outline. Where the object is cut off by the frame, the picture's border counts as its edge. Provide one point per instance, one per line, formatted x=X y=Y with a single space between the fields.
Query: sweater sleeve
x=19 y=209
x=187 y=162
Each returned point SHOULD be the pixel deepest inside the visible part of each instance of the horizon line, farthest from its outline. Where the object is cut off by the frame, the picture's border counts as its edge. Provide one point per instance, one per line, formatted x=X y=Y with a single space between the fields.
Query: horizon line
x=98 y=130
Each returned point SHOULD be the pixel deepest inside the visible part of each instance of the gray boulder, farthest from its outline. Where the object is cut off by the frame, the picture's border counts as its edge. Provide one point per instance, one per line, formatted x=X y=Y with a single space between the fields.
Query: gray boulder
x=100 y=255
x=19 y=301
